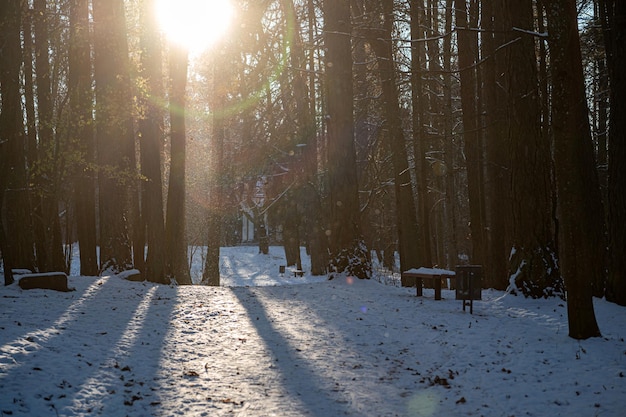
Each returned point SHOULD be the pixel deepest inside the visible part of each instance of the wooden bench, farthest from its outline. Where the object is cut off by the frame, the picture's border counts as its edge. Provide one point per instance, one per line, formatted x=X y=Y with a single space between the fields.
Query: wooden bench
x=433 y=274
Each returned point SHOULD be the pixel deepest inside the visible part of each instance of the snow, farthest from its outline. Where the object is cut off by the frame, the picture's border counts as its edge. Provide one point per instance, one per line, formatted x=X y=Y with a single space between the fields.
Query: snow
x=269 y=345
x=430 y=271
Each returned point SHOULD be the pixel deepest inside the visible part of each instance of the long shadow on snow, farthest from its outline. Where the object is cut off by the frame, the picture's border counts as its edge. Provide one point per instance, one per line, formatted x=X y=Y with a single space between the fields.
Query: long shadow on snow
x=50 y=350
x=373 y=344
x=44 y=331
x=40 y=317
x=301 y=381
x=86 y=377
x=122 y=365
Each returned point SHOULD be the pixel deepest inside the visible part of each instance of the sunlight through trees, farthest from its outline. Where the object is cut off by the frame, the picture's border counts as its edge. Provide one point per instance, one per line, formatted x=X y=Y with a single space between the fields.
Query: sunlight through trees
x=420 y=133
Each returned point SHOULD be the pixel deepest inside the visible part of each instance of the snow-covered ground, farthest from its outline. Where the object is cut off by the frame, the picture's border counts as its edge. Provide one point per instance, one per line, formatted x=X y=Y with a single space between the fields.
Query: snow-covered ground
x=271 y=345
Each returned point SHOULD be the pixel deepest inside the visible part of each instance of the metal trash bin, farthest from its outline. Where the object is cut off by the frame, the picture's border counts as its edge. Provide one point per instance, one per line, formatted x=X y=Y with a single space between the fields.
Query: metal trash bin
x=469 y=279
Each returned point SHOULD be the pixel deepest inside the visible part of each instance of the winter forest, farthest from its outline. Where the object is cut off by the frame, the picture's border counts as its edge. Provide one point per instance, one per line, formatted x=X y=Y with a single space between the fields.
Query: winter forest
x=423 y=133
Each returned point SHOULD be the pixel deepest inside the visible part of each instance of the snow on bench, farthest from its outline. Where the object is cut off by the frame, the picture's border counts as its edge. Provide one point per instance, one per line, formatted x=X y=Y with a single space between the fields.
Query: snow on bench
x=422 y=273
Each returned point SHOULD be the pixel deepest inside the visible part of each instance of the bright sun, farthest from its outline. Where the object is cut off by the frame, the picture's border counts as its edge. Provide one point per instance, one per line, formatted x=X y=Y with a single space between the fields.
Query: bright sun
x=194 y=24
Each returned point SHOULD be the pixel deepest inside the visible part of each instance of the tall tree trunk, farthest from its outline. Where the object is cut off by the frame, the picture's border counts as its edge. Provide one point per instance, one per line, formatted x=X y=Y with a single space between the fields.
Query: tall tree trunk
x=450 y=215
x=29 y=85
x=17 y=247
x=289 y=213
x=81 y=135
x=466 y=45
x=601 y=100
x=581 y=221
x=294 y=101
x=33 y=166
x=497 y=188
x=150 y=140
x=431 y=214
x=348 y=252
x=10 y=13
x=306 y=148
x=114 y=129
x=211 y=272
x=316 y=233
x=176 y=242
x=614 y=21
x=409 y=248
x=47 y=224
x=533 y=259
x=419 y=102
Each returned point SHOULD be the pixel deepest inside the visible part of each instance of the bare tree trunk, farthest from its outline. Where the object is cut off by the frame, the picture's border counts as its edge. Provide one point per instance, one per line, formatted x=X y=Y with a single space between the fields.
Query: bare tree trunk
x=114 y=129
x=175 y=221
x=47 y=224
x=9 y=74
x=17 y=248
x=151 y=137
x=29 y=84
x=533 y=258
x=81 y=134
x=316 y=233
x=291 y=237
x=431 y=213
x=31 y=134
x=450 y=214
x=581 y=221
x=348 y=252
x=420 y=105
x=614 y=22
x=466 y=44
x=306 y=204
x=406 y=221
x=602 y=97
x=497 y=188
x=211 y=272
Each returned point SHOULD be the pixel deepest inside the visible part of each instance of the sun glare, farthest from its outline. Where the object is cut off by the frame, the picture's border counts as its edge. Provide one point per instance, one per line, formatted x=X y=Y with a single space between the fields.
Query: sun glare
x=194 y=24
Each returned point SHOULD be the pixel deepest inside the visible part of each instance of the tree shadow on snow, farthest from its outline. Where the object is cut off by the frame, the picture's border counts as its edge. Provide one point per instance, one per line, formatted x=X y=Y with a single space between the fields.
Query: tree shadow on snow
x=82 y=363
x=361 y=350
x=302 y=382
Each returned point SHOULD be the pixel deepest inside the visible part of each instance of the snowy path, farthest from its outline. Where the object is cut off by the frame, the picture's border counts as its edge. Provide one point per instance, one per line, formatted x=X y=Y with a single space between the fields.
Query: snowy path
x=330 y=348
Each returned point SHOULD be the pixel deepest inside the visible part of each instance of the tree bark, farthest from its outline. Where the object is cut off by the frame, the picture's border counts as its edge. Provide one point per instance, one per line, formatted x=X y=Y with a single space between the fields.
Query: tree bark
x=430 y=215
x=406 y=221
x=114 y=129
x=466 y=44
x=176 y=242
x=533 y=259
x=581 y=220
x=29 y=84
x=348 y=252
x=316 y=234
x=419 y=107
x=449 y=158
x=614 y=22
x=306 y=203
x=47 y=223
x=289 y=214
x=497 y=144
x=17 y=250
x=211 y=272
x=150 y=140
x=81 y=135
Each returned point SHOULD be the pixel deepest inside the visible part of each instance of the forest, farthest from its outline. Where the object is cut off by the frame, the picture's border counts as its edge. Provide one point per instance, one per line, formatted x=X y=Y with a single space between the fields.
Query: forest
x=422 y=132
